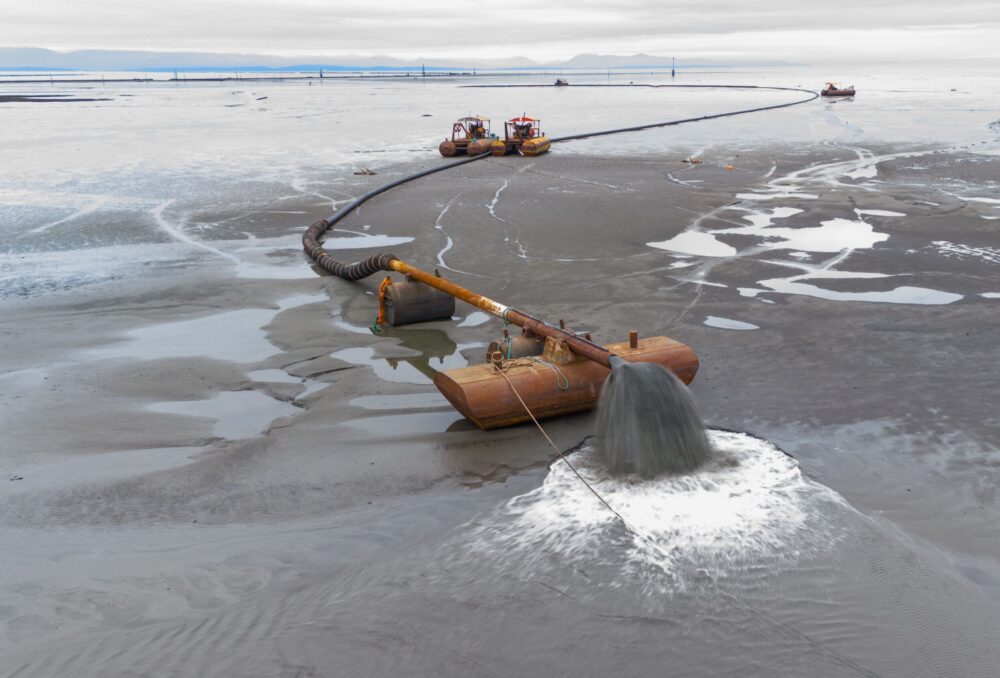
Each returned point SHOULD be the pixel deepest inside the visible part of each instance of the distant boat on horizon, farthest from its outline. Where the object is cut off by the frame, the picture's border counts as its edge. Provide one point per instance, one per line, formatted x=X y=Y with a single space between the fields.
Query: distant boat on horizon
x=834 y=90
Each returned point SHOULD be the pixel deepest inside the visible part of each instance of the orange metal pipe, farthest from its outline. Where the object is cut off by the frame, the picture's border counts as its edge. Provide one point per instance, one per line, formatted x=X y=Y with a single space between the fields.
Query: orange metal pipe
x=579 y=345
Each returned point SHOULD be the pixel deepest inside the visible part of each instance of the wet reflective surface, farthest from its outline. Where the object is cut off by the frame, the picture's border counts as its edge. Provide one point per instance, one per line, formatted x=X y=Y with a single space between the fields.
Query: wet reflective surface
x=211 y=464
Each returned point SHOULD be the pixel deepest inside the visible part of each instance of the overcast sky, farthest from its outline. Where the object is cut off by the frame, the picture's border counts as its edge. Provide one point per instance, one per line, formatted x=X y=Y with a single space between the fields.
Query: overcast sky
x=802 y=30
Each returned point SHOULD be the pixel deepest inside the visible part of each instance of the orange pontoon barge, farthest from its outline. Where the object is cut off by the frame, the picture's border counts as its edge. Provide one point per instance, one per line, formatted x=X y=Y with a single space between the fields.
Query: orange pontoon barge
x=470 y=134
x=523 y=135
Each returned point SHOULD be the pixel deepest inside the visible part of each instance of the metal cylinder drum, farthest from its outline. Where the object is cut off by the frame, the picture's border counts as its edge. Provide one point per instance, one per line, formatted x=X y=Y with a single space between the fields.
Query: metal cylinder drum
x=520 y=347
x=413 y=302
x=536 y=146
x=499 y=147
x=448 y=148
x=479 y=146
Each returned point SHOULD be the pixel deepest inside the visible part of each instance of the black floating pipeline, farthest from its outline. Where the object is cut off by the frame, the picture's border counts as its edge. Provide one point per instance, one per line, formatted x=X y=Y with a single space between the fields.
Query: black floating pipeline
x=378 y=262
x=381 y=262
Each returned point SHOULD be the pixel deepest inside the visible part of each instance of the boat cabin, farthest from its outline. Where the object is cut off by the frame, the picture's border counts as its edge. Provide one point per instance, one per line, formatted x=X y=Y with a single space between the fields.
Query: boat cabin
x=522 y=135
x=523 y=128
x=470 y=127
x=465 y=132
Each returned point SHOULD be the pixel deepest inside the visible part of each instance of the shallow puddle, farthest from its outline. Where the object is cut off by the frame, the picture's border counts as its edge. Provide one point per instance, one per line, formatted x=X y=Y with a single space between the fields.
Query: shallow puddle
x=839 y=236
x=237 y=414
x=475 y=319
x=404 y=425
x=404 y=401
x=728 y=324
x=275 y=376
x=696 y=243
x=437 y=352
x=236 y=336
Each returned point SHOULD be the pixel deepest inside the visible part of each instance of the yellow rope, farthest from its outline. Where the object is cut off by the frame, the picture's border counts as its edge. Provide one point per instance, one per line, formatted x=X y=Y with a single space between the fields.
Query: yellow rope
x=381 y=300
x=500 y=364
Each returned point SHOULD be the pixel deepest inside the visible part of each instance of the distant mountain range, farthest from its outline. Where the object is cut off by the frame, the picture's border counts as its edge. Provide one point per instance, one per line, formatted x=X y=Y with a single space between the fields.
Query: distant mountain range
x=27 y=58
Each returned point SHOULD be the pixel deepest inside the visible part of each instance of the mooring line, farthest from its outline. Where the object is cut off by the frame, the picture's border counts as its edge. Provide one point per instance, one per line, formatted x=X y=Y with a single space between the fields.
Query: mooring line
x=562 y=456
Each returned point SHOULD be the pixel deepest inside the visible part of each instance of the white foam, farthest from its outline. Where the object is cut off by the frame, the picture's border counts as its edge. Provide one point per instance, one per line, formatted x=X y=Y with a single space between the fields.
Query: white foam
x=758 y=505
x=959 y=251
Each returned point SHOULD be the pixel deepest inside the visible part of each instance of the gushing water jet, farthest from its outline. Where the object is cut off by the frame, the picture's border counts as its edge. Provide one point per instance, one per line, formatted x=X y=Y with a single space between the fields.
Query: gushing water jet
x=647 y=422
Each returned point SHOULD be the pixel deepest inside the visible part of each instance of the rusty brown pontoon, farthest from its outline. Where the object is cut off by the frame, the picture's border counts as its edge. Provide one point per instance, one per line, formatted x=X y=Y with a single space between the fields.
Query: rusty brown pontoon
x=557 y=382
x=833 y=90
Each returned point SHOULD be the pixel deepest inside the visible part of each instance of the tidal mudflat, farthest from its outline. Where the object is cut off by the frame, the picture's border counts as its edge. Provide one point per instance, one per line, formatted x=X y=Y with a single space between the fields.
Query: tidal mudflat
x=211 y=467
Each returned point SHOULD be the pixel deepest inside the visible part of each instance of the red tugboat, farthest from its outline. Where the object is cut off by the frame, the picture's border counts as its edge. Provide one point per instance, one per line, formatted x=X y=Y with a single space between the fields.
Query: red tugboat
x=834 y=90
x=523 y=135
x=470 y=135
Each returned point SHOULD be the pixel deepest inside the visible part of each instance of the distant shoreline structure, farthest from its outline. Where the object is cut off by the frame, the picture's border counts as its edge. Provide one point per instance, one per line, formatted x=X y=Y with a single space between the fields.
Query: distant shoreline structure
x=98 y=60
x=66 y=76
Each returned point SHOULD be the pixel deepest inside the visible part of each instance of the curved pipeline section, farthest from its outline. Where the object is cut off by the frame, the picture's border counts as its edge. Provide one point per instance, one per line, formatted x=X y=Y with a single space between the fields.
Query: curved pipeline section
x=381 y=262
x=378 y=262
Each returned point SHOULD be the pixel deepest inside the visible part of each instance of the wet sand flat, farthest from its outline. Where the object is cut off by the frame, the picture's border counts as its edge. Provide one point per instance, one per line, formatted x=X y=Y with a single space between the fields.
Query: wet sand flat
x=212 y=467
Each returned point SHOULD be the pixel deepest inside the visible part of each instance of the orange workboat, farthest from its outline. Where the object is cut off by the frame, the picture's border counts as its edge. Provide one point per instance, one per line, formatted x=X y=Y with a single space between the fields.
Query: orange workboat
x=470 y=134
x=832 y=89
x=523 y=135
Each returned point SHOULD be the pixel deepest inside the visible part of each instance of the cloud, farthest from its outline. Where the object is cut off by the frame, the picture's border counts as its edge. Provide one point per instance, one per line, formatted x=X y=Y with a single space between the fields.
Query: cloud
x=543 y=30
